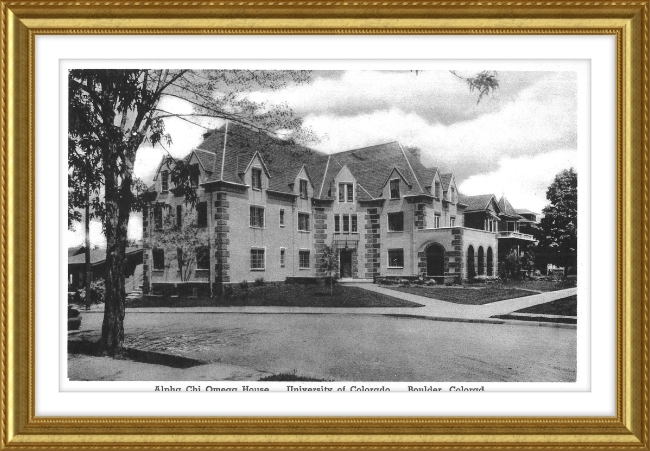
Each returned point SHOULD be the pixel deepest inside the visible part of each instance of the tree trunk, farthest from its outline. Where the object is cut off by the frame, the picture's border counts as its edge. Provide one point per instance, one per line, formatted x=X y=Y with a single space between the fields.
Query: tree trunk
x=89 y=273
x=118 y=207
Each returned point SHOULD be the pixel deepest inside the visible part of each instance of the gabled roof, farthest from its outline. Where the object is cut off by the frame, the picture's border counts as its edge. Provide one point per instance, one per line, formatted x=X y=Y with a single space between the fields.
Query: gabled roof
x=507 y=209
x=283 y=159
x=206 y=158
x=477 y=203
x=98 y=256
x=523 y=211
x=446 y=180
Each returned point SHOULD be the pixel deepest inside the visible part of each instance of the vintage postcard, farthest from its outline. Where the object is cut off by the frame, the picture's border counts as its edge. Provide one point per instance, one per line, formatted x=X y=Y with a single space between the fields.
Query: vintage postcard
x=325 y=230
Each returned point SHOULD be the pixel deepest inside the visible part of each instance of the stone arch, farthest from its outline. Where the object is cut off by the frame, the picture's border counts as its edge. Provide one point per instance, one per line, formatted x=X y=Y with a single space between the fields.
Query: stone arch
x=471 y=271
x=490 y=262
x=481 y=261
x=435 y=260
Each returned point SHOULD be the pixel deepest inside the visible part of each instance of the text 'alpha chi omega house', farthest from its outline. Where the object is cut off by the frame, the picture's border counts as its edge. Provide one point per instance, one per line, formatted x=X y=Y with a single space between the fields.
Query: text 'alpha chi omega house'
x=270 y=208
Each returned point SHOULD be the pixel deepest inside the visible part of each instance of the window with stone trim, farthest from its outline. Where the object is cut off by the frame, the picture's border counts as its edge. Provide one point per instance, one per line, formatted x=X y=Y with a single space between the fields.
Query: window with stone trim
x=337 y=223
x=257 y=259
x=202 y=214
x=282 y=257
x=256 y=174
x=303 y=189
x=157 y=217
x=396 y=222
x=436 y=220
x=452 y=221
x=303 y=259
x=346 y=192
x=303 y=222
x=164 y=181
x=394 y=189
x=353 y=223
x=281 y=217
x=346 y=223
x=395 y=258
x=436 y=191
x=158 y=259
x=202 y=257
x=257 y=216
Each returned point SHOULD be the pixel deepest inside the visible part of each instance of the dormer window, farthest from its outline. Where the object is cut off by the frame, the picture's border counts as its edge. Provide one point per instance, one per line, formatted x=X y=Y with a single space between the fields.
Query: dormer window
x=303 y=189
x=394 y=189
x=257 y=178
x=436 y=191
x=195 y=174
x=346 y=192
x=164 y=181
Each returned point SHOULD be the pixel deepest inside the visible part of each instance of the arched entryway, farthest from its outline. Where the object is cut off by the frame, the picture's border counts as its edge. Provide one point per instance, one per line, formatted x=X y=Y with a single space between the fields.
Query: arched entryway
x=435 y=260
x=490 y=262
x=481 y=261
x=471 y=271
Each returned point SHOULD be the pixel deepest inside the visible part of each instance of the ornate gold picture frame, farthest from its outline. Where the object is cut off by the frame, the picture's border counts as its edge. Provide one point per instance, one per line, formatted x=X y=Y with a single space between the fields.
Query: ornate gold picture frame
x=22 y=21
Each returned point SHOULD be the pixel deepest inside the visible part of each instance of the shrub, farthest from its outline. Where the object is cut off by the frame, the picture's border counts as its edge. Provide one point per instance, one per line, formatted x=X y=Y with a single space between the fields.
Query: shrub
x=431 y=282
x=259 y=281
x=228 y=290
x=244 y=285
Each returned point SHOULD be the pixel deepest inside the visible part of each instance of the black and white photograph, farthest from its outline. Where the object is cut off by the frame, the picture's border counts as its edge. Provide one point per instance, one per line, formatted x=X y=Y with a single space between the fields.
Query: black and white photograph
x=393 y=230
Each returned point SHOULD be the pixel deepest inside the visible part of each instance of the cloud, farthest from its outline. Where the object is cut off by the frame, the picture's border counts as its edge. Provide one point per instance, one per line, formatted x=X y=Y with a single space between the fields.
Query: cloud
x=524 y=180
x=436 y=96
x=539 y=119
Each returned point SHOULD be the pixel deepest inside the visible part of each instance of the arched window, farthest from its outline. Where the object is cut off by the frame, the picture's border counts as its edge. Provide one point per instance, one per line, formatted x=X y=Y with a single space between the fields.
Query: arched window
x=490 y=262
x=471 y=272
x=481 y=261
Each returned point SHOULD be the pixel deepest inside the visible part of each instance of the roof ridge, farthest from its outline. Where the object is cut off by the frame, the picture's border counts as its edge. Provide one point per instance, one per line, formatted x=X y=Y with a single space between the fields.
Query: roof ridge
x=410 y=167
x=322 y=185
x=366 y=147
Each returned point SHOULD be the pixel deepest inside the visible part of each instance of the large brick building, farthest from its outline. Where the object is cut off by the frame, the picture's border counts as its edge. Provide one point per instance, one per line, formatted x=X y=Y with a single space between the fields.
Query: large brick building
x=269 y=208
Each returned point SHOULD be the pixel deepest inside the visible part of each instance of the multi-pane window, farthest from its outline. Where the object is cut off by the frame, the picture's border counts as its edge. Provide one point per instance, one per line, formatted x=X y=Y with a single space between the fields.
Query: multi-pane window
x=303 y=189
x=281 y=217
x=257 y=178
x=349 y=223
x=164 y=180
x=157 y=217
x=395 y=258
x=436 y=221
x=202 y=257
x=282 y=252
x=452 y=222
x=436 y=191
x=179 y=216
x=158 y=259
x=257 y=216
x=257 y=258
x=346 y=192
x=303 y=259
x=202 y=214
x=303 y=222
x=394 y=189
x=195 y=174
x=396 y=222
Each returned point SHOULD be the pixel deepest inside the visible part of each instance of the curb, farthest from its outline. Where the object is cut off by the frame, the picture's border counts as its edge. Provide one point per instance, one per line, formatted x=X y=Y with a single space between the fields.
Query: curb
x=393 y=315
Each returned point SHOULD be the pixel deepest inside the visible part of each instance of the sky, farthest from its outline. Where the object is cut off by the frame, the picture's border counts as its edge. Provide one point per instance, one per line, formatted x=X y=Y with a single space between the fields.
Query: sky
x=512 y=142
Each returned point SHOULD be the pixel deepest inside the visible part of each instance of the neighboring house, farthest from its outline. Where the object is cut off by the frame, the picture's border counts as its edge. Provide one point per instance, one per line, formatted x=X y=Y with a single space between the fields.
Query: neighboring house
x=268 y=209
x=77 y=267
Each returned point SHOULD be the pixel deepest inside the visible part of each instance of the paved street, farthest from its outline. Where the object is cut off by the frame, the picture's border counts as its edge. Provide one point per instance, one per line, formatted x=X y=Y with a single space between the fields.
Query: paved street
x=356 y=346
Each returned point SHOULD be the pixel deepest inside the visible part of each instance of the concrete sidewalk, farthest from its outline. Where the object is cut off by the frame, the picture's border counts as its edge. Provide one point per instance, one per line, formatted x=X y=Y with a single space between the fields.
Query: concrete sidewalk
x=433 y=308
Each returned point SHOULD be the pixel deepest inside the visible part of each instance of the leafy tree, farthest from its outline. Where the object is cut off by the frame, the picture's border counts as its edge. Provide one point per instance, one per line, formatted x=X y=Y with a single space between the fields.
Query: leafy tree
x=114 y=113
x=182 y=244
x=559 y=226
x=330 y=263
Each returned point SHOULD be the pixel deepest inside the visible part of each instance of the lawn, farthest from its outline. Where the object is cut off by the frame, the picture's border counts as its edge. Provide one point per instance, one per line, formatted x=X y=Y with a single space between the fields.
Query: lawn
x=284 y=295
x=565 y=306
x=465 y=295
x=538 y=285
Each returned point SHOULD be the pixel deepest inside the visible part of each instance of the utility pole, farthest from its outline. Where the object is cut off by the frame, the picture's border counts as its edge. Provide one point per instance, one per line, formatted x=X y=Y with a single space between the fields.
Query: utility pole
x=87 y=231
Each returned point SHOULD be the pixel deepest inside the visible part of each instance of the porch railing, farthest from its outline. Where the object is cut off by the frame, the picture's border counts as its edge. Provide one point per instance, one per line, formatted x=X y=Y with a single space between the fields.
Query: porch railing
x=522 y=236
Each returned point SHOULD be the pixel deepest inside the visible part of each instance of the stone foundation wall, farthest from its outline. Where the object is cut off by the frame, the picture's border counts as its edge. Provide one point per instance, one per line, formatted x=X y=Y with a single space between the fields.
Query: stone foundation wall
x=372 y=246
x=221 y=241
